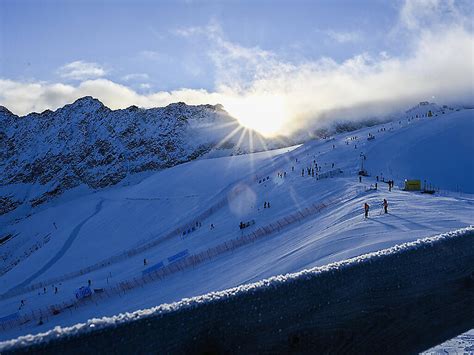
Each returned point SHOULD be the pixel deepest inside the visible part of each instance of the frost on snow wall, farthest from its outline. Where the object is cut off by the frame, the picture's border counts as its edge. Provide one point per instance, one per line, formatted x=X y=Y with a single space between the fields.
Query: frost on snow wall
x=403 y=299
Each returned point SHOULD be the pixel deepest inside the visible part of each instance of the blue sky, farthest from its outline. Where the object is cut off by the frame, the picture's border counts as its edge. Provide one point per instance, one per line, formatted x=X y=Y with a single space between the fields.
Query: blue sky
x=124 y=36
x=155 y=52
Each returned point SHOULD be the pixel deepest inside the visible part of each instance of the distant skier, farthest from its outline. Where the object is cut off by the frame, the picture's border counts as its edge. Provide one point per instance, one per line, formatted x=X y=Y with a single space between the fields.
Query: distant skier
x=302 y=172
x=389 y=185
x=265 y=204
x=377 y=177
x=376 y=186
x=360 y=178
x=145 y=262
x=55 y=290
x=268 y=204
x=89 y=282
x=366 y=210
x=385 y=206
x=333 y=165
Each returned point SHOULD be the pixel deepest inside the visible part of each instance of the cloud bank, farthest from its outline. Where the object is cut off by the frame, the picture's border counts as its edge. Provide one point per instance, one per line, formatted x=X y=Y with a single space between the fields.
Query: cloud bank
x=80 y=70
x=437 y=65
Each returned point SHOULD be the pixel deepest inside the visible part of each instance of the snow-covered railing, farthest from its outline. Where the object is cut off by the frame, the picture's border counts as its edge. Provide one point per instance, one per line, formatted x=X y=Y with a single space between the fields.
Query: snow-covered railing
x=403 y=299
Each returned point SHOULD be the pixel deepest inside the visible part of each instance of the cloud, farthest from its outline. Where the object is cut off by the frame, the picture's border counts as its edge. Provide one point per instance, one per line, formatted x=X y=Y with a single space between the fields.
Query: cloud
x=80 y=70
x=135 y=77
x=437 y=61
x=344 y=37
x=150 y=55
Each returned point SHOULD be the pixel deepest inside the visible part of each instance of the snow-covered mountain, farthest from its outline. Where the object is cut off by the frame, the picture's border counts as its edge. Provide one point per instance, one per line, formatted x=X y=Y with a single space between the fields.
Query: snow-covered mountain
x=114 y=235
x=87 y=143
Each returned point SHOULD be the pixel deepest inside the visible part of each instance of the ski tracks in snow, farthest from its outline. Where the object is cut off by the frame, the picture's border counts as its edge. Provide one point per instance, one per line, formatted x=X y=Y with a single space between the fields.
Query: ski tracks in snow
x=61 y=252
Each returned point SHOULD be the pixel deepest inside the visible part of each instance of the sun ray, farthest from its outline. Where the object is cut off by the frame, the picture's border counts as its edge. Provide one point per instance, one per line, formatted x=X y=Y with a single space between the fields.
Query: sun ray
x=228 y=137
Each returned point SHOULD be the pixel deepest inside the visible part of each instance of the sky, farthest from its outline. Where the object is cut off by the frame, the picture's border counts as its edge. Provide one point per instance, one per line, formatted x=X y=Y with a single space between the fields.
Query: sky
x=284 y=64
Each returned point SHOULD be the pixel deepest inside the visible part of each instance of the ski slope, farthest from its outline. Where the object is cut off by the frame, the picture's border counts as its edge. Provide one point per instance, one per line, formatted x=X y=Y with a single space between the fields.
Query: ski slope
x=74 y=233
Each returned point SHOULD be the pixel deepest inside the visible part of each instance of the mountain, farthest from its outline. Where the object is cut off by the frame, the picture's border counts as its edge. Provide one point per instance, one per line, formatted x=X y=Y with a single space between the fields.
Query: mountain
x=185 y=222
x=86 y=143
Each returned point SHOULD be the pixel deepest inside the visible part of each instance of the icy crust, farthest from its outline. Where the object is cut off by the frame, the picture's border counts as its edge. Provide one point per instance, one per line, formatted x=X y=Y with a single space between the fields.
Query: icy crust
x=219 y=296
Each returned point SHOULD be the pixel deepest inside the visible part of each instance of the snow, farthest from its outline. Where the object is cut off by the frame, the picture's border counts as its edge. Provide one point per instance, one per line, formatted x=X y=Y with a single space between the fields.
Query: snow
x=87 y=227
x=98 y=323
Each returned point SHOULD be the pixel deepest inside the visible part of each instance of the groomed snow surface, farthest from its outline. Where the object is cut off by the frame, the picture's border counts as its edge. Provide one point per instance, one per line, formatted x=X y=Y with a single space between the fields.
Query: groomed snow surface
x=73 y=233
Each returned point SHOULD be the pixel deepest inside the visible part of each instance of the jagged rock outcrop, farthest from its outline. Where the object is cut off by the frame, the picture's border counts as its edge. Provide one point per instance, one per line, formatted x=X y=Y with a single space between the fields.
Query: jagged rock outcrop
x=87 y=143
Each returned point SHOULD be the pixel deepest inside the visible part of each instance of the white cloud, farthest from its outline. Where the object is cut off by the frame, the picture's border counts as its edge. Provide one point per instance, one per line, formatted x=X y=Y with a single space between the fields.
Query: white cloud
x=150 y=55
x=144 y=86
x=80 y=70
x=344 y=37
x=135 y=77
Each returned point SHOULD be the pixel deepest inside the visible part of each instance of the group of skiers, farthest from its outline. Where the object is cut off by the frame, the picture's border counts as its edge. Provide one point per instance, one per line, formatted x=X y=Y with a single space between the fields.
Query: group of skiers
x=367 y=208
x=266 y=204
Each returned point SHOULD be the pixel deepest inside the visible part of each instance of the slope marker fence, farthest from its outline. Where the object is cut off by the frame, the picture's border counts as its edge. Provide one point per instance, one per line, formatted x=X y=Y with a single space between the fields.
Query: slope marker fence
x=191 y=261
x=222 y=201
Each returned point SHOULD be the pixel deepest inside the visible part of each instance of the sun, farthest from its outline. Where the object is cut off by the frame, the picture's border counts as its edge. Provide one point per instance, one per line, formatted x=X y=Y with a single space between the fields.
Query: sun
x=265 y=114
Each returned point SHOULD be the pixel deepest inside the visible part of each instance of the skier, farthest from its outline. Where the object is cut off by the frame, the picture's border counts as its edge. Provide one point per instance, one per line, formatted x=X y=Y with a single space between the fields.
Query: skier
x=265 y=205
x=366 y=210
x=377 y=178
x=389 y=185
x=360 y=178
x=376 y=186
x=333 y=165
x=89 y=282
x=55 y=290
x=268 y=204
x=144 y=262
x=302 y=172
x=385 y=205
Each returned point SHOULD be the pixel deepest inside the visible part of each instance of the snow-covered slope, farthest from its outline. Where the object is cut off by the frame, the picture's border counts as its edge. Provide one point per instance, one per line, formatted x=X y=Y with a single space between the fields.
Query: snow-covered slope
x=312 y=221
x=85 y=143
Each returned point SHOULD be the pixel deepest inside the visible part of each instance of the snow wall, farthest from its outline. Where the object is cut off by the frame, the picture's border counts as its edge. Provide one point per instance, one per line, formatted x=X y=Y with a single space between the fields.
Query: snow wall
x=403 y=299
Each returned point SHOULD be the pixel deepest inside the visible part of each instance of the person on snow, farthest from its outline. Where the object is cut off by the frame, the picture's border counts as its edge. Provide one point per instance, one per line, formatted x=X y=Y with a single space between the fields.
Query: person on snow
x=144 y=262
x=55 y=290
x=302 y=172
x=366 y=210
x=268 y=204
x=265 y=204
x=385 y=206
x=360 y=178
